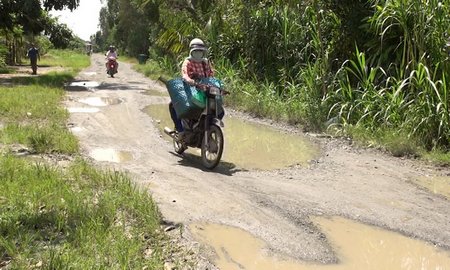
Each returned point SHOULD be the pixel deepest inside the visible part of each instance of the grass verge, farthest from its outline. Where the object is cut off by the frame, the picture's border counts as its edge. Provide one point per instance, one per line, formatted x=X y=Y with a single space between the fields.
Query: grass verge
x=78 y=218
x=31 y=115
x=151 y=69
x=66 y=59
x=397 y=144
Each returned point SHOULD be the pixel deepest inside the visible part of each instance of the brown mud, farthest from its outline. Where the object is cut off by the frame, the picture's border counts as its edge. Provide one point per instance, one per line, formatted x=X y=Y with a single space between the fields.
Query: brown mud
x=358 y=246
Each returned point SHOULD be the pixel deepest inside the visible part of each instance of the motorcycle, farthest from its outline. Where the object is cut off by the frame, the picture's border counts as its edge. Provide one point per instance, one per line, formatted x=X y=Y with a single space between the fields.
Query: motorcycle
x=111 y=66
x=205 y=132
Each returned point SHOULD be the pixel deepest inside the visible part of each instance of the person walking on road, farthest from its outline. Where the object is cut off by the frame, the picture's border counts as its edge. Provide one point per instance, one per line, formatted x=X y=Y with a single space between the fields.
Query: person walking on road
x=33 y=54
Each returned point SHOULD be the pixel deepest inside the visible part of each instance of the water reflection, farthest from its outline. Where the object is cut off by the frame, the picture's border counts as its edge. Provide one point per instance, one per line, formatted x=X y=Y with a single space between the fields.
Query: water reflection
x=261 y=147
x=87 y=84
x=250 y=145
x=82 y=110
x=438 y=184
x=100 y=101
x=110 y=155
x=82 y=85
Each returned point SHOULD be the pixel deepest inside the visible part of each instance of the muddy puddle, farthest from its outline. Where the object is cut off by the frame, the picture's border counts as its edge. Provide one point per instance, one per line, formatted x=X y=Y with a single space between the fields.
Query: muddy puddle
x=111 y=155
x=82 y=110
x=261 y=147
x=89 y=73
x=77 y=129
x=250 y=145
x=436 y=184
x=82 y=85
x=356 y=245
x=100 y=101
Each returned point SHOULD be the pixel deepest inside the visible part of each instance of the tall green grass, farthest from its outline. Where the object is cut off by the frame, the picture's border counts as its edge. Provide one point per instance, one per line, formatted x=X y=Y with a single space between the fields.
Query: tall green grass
x=77 y=218
x=408 y=30
x=397 y=90
x=415 y=106
x=154 y=68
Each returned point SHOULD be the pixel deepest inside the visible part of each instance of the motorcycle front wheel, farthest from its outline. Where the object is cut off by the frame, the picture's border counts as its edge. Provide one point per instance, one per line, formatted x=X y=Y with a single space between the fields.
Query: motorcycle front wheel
x=178 y=146
x=212 y=148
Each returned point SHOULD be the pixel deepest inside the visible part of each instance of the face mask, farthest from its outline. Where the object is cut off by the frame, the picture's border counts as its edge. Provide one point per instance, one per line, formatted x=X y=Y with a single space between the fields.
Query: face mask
x=197 y=55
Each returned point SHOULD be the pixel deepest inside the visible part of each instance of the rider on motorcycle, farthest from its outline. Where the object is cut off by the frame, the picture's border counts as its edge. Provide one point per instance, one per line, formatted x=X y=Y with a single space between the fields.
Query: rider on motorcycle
x=111 y=53
x=194 y=67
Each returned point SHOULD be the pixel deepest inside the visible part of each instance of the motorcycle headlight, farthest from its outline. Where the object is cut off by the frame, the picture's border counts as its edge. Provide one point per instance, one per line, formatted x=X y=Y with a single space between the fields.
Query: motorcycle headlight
x=214 y=90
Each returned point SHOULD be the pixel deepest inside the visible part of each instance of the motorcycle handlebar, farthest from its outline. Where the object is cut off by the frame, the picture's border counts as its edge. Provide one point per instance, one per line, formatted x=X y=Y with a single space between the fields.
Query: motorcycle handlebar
x=206 y=87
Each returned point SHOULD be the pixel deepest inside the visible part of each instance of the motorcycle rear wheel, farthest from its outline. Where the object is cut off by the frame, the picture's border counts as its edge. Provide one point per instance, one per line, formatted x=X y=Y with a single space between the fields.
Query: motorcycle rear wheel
x=212 y=153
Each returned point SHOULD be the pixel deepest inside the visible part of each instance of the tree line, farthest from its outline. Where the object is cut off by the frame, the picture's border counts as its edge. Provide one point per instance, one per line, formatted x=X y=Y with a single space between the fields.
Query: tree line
x=27 y=21
x=377 y=65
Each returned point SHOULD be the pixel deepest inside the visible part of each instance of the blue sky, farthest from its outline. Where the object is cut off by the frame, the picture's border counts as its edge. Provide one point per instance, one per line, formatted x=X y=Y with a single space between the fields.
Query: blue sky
x=84 y=20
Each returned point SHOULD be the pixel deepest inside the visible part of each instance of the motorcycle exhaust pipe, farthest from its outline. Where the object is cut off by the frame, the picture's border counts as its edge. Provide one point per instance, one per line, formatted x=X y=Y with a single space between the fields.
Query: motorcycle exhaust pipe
x=169 y=132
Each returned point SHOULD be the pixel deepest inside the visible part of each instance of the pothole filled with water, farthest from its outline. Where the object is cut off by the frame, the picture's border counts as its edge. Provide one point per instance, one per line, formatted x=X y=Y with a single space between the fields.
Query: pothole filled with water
x=77 y=129
x=89 y=73
x=357 y=246
x=101 y=101
x=250 y=145
x=81 y=85
x=111 y=155
x=437 y=185
x=82 y=110
x=262 y=147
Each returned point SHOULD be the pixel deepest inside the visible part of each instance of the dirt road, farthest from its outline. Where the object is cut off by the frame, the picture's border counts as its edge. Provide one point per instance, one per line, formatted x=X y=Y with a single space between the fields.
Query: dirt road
x=275 y=206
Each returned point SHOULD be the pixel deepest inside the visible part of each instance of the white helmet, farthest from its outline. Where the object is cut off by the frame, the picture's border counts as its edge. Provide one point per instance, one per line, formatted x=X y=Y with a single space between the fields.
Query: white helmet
x=197 y=44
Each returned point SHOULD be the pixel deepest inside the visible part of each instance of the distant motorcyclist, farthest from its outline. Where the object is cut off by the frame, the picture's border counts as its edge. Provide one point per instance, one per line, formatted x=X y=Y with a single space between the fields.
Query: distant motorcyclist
x=111 y=54
x=195 y=67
